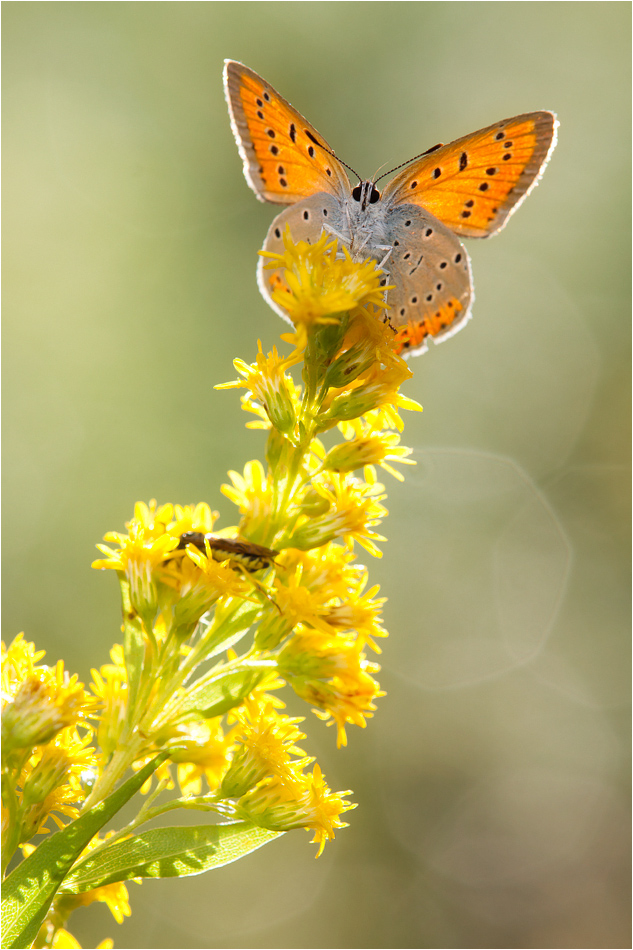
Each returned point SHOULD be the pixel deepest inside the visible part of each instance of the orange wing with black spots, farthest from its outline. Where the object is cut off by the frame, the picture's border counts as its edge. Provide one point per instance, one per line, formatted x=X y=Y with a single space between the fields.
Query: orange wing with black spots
x=285 y=158
x=476 y=182
x=439 y=324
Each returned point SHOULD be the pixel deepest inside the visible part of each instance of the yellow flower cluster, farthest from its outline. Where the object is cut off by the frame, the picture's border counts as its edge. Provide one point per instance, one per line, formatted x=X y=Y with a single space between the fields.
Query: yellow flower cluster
x=305 y=605
x=49 y=762
x=216 y=623
x=46 y=740
x=318 y=286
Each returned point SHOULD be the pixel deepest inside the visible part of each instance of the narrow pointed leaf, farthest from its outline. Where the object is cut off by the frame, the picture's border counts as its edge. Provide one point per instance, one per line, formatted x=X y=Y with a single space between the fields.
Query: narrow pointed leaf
x=232 y=628
x=217 y=694
x=29 y=890
x=168 y=852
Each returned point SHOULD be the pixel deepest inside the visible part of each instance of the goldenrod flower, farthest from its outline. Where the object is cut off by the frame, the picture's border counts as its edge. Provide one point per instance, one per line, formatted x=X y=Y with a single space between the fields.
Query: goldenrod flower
x=297 y=603
x=306 y=803
x=253 y=493
x=139 y=554
x=114 y=896
x=18 y=661
x=44 y=756
x=42 y=703
x=367 y=344
x=213 y=576
x=367 y=446
x=50 y=783
x=147 y=538
x=333 y=674
x=320 y=285
x=199 y=580
x=265 y=741
x=321 y=808
x=268 y=382
x=109 y=684
x=359 y=612
x=329 y=570
x=378 y=387
x=355 y=509
x=369 y=331
x=251 y=405
x=199 y=749
x=192 y=518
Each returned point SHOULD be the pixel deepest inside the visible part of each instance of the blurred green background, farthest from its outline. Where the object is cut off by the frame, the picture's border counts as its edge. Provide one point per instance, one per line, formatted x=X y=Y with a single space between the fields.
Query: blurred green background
x=492 y=781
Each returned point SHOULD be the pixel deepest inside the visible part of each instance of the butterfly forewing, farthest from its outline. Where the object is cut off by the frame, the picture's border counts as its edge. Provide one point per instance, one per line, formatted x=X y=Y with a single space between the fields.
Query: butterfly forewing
x=285 y=158
x=474 y=184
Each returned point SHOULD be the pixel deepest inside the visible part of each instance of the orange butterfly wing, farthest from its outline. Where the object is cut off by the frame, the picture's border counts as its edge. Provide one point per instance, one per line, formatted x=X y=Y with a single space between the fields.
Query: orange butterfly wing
x=285 y=158
x=476 y=182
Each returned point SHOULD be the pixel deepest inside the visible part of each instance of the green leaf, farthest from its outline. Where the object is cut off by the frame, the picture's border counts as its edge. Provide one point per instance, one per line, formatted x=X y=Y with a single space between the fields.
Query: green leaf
x=231 y=627
x=226 y=643
x=169 y=852
x=30 y=888
x=217 y=694
x=230 y=633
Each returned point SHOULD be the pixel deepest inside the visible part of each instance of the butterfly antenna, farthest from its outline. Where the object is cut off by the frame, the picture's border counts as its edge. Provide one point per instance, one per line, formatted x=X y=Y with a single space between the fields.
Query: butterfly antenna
x=408 y=162
x=330 y=152
x=374 y=179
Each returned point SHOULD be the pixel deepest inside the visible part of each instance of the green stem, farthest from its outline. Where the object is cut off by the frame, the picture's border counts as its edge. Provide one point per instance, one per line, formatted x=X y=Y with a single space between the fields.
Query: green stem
x=11 y=834
x=118 y=765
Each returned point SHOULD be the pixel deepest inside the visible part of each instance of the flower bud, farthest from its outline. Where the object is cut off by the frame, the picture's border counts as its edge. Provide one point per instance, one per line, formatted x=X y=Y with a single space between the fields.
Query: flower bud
x=272 y=630
x=279 y=406
x=313 y=503
x=48 y=774
x=347 y=456
x=350 y=406
x=348 y=366
x=245 y=771
x=39 y=711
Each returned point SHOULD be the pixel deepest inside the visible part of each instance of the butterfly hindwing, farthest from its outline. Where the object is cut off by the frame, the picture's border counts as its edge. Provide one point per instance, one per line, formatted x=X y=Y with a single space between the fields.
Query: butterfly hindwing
x=285 y=158
x=427 y=266
x=476 y=182
x=430 y=271
x=306 y=220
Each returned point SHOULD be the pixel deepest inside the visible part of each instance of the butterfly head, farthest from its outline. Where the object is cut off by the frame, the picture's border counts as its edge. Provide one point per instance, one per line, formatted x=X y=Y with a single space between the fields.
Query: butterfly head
x=365 y=193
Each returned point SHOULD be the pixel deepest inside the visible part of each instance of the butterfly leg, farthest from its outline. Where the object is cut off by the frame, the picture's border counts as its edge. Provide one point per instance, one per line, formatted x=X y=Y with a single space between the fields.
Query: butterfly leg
x=337 y=234
x=384 y=247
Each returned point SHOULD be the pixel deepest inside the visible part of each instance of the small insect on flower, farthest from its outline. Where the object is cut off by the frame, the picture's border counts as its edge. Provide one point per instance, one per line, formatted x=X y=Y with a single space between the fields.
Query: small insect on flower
x=253 y=557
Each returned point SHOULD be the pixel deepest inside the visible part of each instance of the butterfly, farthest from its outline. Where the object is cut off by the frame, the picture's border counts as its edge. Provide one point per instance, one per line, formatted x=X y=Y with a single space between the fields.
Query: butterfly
x=413 y=227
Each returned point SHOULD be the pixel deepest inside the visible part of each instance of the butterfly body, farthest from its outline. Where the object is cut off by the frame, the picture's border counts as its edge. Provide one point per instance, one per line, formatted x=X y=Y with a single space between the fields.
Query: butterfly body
x=412 y=229
x=425 y=264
